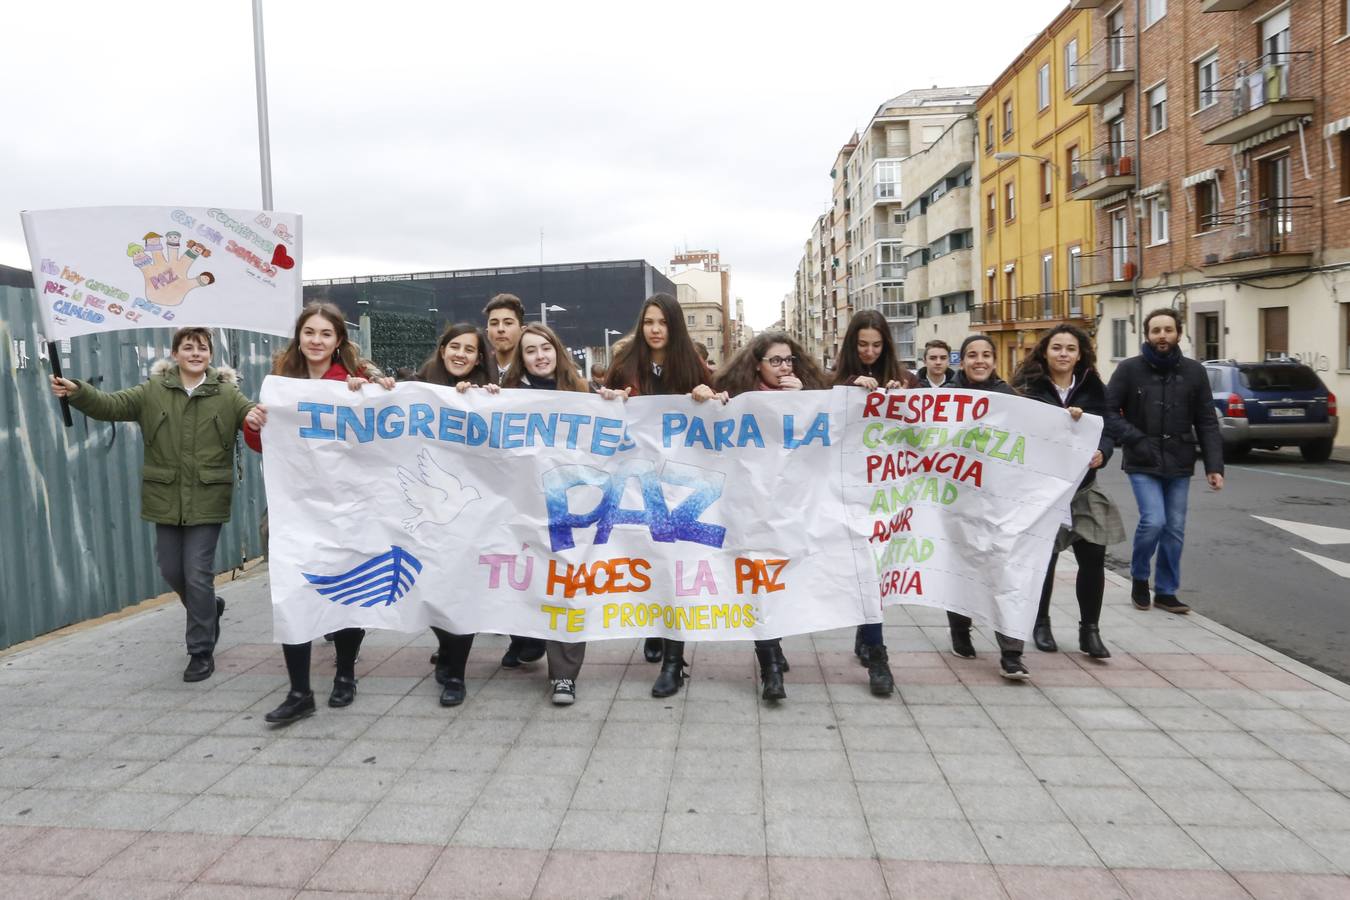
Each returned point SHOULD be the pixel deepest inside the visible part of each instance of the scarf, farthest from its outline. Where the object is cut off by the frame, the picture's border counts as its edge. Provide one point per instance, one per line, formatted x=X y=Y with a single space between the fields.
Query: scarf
x=1161 y=363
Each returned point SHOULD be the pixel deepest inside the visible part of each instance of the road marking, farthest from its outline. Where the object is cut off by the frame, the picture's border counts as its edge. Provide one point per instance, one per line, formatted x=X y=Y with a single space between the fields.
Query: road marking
x=1332 y=565
x=1318 y=534
x=1289 y=475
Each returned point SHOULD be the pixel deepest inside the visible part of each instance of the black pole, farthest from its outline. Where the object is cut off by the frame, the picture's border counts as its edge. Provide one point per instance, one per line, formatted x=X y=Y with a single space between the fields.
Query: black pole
x=54 y=357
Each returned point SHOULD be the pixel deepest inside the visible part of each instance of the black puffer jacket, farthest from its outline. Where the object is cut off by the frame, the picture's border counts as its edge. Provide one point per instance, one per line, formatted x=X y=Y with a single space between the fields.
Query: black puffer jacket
x=993 y=384
x=1088 y=394
x=1164 y=418
x=948 y=379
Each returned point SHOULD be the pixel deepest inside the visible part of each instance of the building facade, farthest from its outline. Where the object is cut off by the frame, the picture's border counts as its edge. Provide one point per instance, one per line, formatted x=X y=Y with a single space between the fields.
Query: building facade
x=936 y=185
x=881 y=246
x=1035 y=243
x=1218 y=179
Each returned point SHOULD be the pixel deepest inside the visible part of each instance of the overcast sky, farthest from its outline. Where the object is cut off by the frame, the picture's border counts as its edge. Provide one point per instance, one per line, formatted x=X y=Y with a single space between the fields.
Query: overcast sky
x=414 y=135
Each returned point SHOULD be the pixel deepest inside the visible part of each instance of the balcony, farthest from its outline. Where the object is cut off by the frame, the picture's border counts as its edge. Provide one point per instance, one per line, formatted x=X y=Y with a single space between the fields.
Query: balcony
x=916 y=285
x=949 y=273
x=1268 y=235
x=950 y=213
x=1106 y=70
x=1036 y=310
x=1106 y=170
x=1271 y=91
x=890 y=271
x=1111 y=270
x=887 y=231
x=1223 y=5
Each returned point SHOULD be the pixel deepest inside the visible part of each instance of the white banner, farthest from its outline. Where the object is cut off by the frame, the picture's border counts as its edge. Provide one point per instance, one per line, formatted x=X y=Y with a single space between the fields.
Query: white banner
x=108 y=268
x=565 y=516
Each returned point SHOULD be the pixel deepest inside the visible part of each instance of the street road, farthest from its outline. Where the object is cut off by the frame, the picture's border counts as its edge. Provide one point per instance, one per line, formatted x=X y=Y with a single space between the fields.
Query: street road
x=1249 y=574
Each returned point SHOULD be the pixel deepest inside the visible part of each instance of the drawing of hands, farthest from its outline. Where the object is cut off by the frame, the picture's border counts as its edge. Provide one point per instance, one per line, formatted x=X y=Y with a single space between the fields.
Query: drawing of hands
x=165 y=271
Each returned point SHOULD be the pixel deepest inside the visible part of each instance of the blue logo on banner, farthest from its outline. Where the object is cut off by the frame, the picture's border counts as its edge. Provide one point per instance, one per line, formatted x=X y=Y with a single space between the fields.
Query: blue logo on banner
x=381 y=579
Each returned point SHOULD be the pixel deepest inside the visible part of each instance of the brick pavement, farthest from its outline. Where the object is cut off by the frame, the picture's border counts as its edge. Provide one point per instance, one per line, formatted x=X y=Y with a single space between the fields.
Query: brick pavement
x=1194 y=764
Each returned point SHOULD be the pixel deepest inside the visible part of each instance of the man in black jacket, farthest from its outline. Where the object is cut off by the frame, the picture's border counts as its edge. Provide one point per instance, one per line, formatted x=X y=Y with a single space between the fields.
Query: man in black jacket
x=936 y=371
x=1163 y=412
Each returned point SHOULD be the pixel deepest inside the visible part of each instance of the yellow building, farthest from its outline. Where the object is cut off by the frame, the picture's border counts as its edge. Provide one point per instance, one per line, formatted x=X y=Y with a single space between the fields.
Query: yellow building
x=1032 y=237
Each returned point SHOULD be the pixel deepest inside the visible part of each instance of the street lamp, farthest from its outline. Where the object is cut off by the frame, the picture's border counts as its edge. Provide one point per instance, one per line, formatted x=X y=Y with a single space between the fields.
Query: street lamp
x=608 y=332
x=1008 y=155
x=545 y=309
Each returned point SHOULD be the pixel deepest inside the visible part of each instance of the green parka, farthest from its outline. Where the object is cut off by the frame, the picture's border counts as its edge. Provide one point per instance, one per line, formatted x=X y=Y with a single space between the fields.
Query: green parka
x=188 y=474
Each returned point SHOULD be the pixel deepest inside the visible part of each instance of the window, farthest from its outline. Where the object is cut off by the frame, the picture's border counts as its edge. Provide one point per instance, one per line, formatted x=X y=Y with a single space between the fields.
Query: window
x=1075 y=279
x=1153 y=11
x=1157 y=109
x=1047 y=272
x=1206 y=206
x=709 y=318
x=1043 y=87
x=1207 y=81
x=988 y=133
x=1007 y=118
x=1073 y=165
x=1009 y=201
x=1343 y=139
x=1010 y=283
x=689 y=320
x=1155 y=208
x=1118 y=338
x=1047 y=182
x=1115 y=41
x=991 y=212
x=991 y=287
x=1071 y=63
x=932 y=132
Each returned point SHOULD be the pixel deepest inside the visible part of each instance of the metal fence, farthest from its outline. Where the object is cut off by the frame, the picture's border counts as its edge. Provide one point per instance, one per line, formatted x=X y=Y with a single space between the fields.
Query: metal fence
x=74 y=545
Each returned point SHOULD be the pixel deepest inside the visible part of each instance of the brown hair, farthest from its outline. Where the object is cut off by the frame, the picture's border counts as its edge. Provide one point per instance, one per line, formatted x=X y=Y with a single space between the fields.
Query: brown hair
x=434 y=370
x=192 y=331
x=565 y=373
x=741 y=373
x=1036 y=364
x=937 y=342
x=1173 y=314
x=291 y=362
x=509 y=302
x=682 y=369
x=886 y=369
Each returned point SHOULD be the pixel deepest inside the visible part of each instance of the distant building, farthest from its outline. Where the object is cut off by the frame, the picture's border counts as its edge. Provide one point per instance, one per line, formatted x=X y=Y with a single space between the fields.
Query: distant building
x=703 y=284
x=594 y=296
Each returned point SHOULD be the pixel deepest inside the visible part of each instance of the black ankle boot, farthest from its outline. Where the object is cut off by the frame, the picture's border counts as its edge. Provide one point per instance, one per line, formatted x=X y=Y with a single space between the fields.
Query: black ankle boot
x=344 y=692
x=453 y=693
x=652 y=650
x=1139 y=594
x=672 y=676
x=879 y=676
x=780 y=658
x=770 y=674
x=1043 y=637
x=858 y=647
x=961 y=643
x=1090 y=642
x=295 y=707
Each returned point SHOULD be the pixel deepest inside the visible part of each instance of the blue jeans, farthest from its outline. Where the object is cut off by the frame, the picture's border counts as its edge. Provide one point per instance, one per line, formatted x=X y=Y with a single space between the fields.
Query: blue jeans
x=1162 y=528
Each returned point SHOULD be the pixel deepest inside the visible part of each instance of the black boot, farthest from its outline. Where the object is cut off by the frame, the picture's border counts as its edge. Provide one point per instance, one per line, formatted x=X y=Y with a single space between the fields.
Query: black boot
x=879 y=676
x=344 y=692
x=453 y=693
x=770 y=674
x=1043 y=637
x=199 y=667
x=672 y=676
x=296 y=706
x=780 y=658
x=859 y=649
x=961 y=643
x=1090 y=642
x=1139 y=594
x=651 y=650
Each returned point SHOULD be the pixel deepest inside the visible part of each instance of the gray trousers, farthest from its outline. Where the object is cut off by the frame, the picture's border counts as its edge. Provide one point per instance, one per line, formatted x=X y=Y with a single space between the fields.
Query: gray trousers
x=564 y=659
x=186 y=555
x=1008 y=646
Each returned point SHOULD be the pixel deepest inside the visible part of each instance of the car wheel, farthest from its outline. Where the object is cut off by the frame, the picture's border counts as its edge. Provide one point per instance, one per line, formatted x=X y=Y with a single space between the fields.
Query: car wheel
x=1237 y=452
x=1317 y=451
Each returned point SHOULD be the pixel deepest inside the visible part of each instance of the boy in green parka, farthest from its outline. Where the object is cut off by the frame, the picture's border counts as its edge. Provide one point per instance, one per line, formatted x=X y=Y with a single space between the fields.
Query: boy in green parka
x=189 y=412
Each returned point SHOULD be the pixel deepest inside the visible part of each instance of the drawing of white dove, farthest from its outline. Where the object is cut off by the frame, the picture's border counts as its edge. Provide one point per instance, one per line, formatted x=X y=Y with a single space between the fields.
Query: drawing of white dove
x=437 y=496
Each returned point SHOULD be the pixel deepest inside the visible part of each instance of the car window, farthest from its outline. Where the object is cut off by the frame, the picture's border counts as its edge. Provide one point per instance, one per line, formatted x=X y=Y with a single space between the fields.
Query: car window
x=1217 y=381
x=1280 y=378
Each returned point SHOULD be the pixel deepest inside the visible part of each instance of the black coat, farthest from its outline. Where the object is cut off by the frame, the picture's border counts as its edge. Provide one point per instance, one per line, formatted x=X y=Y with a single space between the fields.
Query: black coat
x=949 y=379
x=993 y=384
x=1089 y=395
x=1164 y=419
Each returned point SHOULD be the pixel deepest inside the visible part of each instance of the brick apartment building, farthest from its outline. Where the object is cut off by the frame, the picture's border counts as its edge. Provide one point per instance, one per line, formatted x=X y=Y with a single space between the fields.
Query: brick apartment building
x=1219 y=175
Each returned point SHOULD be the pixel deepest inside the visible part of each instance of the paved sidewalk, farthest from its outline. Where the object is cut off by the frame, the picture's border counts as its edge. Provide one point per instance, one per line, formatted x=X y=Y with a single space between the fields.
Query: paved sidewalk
x=1193 y=764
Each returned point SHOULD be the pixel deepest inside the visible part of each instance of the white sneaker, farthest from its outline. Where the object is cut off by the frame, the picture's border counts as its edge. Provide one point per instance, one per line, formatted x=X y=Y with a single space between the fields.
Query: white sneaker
x=564 y=692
